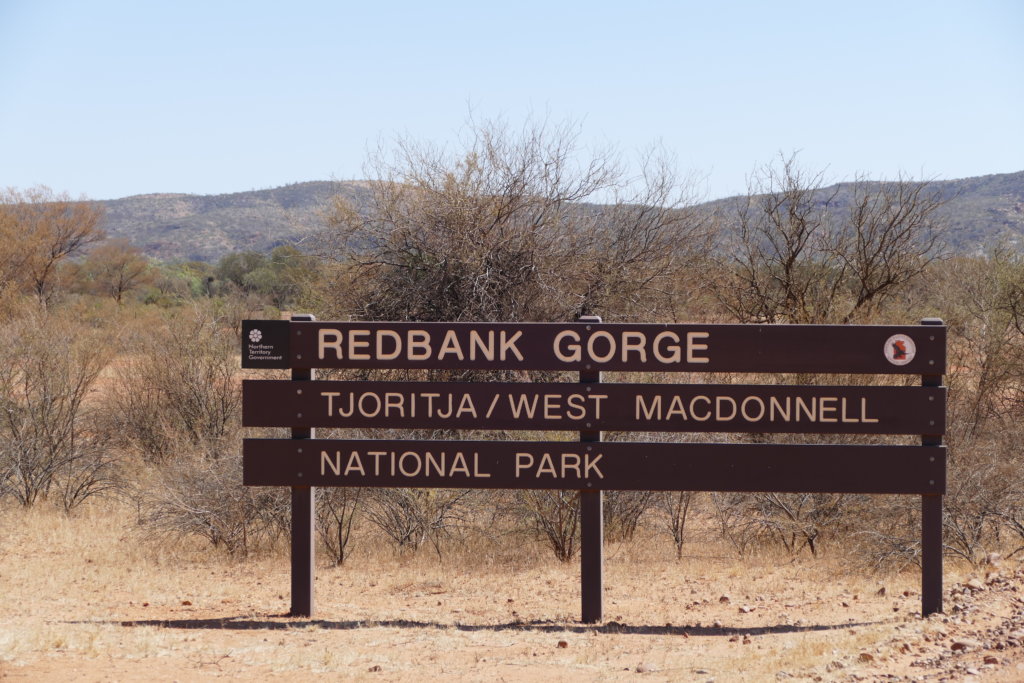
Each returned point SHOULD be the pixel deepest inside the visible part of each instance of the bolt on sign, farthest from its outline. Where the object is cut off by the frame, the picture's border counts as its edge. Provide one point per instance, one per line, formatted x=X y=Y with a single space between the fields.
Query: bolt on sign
x=591 y=406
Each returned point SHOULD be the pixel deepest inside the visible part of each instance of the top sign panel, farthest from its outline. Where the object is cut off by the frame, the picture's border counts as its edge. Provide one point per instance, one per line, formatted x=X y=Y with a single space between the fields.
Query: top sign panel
x=869 y=349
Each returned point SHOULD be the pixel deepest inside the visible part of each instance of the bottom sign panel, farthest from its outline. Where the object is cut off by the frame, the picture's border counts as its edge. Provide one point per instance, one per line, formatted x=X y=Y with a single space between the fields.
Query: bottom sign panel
x=611 y=465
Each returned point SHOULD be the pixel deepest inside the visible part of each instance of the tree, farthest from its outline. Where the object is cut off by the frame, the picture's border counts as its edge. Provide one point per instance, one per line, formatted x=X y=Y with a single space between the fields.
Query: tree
x=38 y=230
x=234 y=267
x=115 y=267
x=798 y=252
x=283 y=276
x=891 y=236
x=497 y=230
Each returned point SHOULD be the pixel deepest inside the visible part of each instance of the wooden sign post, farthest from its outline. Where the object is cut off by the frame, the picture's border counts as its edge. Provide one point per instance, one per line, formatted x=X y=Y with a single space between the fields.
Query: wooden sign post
x=303 y=547
x=591 y=406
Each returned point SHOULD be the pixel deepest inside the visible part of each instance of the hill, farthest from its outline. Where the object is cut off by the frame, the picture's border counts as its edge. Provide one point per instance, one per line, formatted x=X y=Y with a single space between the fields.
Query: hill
x=206 y=227
x=985 y=210
x=981 y=211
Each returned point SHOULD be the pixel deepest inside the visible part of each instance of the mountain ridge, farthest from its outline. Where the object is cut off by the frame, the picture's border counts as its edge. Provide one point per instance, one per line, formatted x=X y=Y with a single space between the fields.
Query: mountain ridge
x=981 y=211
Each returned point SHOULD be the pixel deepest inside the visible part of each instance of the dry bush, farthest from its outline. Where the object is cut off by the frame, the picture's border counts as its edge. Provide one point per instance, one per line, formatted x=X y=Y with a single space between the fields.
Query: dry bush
x=622 y=512
x=407 y=517
x=885 y=534
x=178 y=390
x=786 y=522
x=412 y=517
x=975 y=503
x=675 y=508
x=982 y=302
x=553 y=516
x=737 y=524
x=795 y=251
x=337 y=509
x=175 y=401
x=1011 y=516
x=196 y=495
x=979 y=298
x=497 y=230
x=792 y=522
x=48 y=446
x=799 y=520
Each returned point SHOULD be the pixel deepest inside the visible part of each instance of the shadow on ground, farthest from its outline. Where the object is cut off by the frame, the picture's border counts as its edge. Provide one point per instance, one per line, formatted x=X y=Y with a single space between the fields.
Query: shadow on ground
x=284 y=623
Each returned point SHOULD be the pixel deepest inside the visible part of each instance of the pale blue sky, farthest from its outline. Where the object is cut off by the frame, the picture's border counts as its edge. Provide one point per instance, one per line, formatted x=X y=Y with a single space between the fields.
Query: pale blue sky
x=111 y=98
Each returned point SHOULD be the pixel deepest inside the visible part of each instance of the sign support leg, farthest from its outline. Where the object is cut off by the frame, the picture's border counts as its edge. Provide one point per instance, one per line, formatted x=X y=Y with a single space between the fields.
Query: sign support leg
x=592 y=555
x=302 y=551
x=303 y=523
x=591 y=523
x=931 y=522
x=931 y=554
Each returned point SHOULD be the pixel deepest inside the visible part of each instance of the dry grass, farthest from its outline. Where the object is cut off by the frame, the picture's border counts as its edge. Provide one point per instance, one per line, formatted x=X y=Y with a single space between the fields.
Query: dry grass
x=87 y=598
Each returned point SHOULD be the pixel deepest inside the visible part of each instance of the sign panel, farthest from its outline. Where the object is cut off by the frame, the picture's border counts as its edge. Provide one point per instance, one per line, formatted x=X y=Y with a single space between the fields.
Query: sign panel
x=595 y=406
x=614 y=466
x=265 y=344
x=885 y=349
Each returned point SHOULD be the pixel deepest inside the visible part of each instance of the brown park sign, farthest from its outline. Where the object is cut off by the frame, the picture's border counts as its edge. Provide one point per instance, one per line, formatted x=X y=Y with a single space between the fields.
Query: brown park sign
x=789 y=353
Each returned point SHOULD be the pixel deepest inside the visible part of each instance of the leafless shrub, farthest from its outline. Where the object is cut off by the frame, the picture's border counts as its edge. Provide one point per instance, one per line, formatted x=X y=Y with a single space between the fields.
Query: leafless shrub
x=555 y=517
x=195 y=495
x=1012 y=519
x=982 y=302
x=336 y=512
x=175 y=401
x=411 y=517
x=983 y=495
x=96 y=472
x=675 y=508
x=179 y=389
x=888 y=537
x=736 y=521
x=793 y=522
x=797 y=520
x=622 y=512
x=47 y=448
